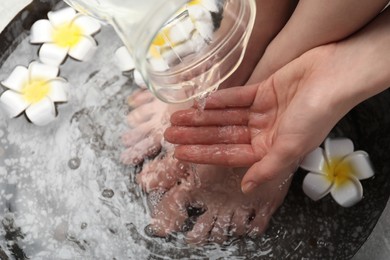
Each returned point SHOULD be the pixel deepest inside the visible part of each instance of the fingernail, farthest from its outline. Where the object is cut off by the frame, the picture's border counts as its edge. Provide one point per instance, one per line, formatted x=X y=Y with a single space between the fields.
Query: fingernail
x=248 y=187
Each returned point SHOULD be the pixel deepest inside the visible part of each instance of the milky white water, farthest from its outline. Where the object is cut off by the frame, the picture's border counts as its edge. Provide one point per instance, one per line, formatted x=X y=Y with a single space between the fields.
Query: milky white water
x=63 y=192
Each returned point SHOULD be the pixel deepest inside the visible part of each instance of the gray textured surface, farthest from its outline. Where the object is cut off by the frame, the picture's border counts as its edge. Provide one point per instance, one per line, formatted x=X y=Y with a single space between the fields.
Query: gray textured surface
x=378 y=244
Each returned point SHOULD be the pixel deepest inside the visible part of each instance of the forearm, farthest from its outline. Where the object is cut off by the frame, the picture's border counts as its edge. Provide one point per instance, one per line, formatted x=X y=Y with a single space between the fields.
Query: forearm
x=316 y=23
x=319 y=22
x=366 y=59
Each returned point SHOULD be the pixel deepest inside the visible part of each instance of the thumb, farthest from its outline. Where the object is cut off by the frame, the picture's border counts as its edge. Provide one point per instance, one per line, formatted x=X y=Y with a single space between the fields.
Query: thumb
x=282 y=159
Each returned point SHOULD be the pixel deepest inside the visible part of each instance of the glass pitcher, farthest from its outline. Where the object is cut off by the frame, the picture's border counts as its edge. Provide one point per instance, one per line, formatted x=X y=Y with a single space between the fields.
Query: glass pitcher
x=182 y=48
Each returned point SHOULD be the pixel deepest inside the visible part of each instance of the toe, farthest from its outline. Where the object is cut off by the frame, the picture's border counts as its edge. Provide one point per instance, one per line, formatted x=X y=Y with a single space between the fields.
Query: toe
x=170 y=214
x=136 y=154
x=139 y=98
x=219 y=232
x=240 y=222
x=163 y=172
x=201 y=231
x=135 y=135
x=259 y=224
x=140 y=115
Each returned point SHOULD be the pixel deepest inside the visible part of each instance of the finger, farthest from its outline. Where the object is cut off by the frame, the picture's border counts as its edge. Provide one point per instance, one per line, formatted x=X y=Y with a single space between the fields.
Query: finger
x=193 y=117
x=219 y=233
x=281 y=160
x=170 y=214
x=201 y=230
x=146 y=148
x=232 y=97
x=235 y=155
x=208 y=135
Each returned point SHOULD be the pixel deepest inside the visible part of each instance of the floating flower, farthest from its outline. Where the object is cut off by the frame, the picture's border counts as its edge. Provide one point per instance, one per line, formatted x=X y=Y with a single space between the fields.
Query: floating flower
x=126 y=63
x=336 y=169
x=124 y=60
x=34 y=90
x=65 y=33
x=192 y=29
x=180 y=37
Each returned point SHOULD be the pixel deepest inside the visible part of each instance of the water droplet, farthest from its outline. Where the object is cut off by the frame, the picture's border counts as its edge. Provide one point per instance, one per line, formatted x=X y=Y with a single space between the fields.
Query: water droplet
x=108 y=193
x=84 y=225
x=321 y=243
x=94 y=139
x=74 y=163
x=150 y=231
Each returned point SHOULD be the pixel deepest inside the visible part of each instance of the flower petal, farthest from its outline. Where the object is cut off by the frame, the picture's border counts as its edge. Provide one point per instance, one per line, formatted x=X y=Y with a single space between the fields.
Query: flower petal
x=57 y=90
x=138 y=79
x=88 y=24
x=84 y=50
x=172 y=56
x=41 y=113
x=58 y=18
x=158 y=64
x=52 y=54
x=210 y=5
x=203 y=21
x=337 y=148
x=181 y=31
x=17 y=78
x=314 y=161
x=41 y=31
x=349 y=193
x=124 y=60
x=13 y=102
x=361 y=165
x=42 y=71
x=316 y=186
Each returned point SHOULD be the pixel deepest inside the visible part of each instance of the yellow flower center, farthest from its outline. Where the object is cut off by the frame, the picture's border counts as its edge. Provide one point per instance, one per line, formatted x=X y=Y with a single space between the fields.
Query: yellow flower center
x=195 y=2
x=35 y=90
x=67 y=35
x=161 y=40
x=338 y=171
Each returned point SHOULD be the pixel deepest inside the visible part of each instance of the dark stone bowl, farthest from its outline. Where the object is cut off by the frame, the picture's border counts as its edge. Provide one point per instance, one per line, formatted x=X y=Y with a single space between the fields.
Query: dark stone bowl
x=301 y=228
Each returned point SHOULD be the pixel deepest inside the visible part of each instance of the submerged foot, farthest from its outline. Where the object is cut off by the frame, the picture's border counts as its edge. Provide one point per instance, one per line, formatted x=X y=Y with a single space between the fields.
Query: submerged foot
x=206 y=202
x=147 y=120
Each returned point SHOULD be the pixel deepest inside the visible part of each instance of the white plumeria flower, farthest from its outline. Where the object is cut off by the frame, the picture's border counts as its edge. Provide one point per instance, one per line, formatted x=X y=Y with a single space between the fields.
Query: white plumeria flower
x=126 y=63
x=65 y=33
x=34 y=90
x=199 y=12
x=124 y=60
x=336 y=169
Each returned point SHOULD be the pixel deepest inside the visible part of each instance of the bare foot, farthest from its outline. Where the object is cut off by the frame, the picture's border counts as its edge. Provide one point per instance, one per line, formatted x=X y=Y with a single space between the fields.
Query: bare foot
x=207 y=202
x=162 y=173
x=204 y=200
x=148 y=120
